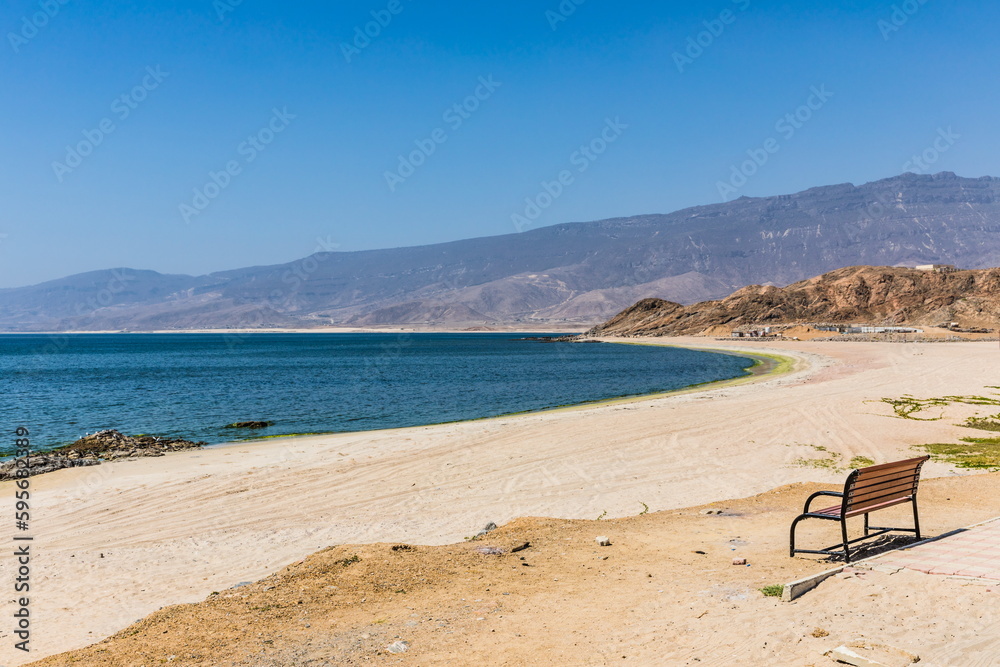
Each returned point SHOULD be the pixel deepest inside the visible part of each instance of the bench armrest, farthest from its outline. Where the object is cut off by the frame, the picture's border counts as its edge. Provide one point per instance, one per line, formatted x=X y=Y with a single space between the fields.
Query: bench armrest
x=835 y=494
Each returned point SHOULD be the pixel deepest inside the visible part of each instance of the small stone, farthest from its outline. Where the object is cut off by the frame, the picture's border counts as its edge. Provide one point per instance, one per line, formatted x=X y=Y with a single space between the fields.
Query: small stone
x=398 y=647
x=711 y=511
x=739 y=561
x=489 y=528
x=603 y=541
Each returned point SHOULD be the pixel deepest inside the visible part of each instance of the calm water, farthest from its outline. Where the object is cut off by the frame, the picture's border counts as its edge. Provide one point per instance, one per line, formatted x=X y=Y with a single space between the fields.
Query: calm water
x=191 y=385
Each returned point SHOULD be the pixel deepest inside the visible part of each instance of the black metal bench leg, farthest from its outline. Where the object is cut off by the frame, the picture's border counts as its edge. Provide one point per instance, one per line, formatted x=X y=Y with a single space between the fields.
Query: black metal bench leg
x=791 y=538
x=916 y=518
x=847 y=547
x=866 y=524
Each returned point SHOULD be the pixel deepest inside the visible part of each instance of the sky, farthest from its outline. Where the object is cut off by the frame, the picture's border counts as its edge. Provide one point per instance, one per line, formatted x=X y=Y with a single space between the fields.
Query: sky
x=198 y=136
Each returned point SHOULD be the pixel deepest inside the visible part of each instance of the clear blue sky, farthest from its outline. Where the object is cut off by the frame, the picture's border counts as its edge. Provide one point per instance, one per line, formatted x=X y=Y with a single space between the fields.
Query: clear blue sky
x=200 y=78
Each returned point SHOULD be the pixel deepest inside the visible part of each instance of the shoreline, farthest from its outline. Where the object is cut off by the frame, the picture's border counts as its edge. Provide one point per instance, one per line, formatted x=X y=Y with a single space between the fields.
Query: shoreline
x=766 y=365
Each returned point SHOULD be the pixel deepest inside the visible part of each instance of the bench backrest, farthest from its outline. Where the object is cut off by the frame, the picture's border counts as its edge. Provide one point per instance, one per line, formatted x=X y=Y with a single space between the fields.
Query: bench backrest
x=875 y=487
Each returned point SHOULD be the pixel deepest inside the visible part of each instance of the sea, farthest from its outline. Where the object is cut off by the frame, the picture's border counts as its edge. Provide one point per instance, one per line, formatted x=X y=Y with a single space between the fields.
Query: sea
x=62 y=387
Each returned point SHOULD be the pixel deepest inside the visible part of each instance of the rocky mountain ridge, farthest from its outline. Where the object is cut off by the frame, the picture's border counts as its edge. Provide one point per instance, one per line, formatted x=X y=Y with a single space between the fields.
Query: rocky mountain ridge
x=568 y=274
x=875 y=295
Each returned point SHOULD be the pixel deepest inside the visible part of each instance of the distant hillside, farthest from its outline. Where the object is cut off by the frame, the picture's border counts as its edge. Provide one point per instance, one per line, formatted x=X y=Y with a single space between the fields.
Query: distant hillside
x=860 y=294
x=571 y=273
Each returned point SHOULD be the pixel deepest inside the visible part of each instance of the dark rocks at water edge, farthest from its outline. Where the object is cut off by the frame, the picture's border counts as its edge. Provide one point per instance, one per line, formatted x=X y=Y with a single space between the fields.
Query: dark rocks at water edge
x=251 y=425
x=93 y=449
x=42 y=463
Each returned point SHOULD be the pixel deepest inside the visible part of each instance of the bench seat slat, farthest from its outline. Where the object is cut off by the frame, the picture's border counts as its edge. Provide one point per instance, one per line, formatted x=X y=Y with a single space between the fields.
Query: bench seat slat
x=871 y=508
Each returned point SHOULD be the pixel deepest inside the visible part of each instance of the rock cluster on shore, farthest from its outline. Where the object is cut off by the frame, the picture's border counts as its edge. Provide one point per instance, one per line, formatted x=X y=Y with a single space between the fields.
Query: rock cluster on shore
x=93 y=449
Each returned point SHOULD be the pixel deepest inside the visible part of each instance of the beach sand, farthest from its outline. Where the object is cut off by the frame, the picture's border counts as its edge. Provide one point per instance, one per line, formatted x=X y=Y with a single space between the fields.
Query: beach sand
x=116 y=542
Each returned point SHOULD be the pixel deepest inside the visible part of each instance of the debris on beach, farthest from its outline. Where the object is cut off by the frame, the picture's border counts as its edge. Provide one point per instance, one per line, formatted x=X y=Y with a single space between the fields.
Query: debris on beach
x=602 y=540
x=862 y=653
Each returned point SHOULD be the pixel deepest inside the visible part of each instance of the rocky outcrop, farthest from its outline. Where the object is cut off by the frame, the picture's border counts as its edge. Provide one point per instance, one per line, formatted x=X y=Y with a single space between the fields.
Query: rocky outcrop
x=92 y=449
x=111 y=444
x=878 y=295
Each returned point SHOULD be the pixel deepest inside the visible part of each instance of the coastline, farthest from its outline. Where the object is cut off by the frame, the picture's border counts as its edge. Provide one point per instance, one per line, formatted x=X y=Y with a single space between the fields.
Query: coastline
x=131 y=537
x=765 y=365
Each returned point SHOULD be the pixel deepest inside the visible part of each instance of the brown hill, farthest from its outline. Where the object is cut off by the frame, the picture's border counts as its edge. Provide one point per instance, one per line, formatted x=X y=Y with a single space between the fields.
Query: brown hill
x=879 y=295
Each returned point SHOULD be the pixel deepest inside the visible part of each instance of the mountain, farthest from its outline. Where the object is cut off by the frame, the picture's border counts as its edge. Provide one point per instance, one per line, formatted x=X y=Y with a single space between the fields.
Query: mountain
x=578 y=273
x=880 y=295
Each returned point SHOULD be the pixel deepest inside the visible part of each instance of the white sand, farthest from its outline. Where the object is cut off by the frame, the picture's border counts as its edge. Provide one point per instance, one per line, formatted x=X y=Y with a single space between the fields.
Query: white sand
x=176 y=528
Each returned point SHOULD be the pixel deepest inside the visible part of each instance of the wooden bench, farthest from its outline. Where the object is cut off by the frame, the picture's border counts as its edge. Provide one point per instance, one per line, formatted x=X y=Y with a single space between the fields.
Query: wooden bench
x=866 y=490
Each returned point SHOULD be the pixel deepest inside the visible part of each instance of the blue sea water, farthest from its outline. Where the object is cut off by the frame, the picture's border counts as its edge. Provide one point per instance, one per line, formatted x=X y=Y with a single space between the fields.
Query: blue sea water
x=191 y=385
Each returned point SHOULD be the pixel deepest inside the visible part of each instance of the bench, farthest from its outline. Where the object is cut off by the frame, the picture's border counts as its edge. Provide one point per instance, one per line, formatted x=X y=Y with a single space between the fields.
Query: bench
x=866 y=490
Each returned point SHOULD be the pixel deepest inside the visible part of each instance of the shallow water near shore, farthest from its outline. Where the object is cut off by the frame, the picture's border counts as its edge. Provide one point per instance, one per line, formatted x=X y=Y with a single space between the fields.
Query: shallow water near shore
x=191 y=385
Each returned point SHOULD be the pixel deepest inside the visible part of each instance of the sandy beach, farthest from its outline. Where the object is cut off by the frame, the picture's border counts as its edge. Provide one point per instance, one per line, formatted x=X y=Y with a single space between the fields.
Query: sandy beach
x=119 y=541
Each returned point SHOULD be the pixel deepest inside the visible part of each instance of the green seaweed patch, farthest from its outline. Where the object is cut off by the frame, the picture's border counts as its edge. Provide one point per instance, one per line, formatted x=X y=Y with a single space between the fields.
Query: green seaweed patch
x=984 y=423
x=282 y=435
x=861 y=462
x=908 y=407
x=773 y=591
x=974 y=453
x=830 y=462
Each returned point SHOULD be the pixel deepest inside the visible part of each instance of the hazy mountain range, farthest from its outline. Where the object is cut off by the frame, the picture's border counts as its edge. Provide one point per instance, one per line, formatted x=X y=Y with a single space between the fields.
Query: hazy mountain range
x=570 y=273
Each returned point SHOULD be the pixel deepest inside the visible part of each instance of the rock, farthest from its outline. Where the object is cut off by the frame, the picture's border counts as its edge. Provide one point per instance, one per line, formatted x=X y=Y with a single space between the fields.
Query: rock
x=105 y=444
x=739 y=561
x=250 y=425
x=398 y=647
x=489 y=528
x=603 y=541
x=711 y=511
x=38 y=464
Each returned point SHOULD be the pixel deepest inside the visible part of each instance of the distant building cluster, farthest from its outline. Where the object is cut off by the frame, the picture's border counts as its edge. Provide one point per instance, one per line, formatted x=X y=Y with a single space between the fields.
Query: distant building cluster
x=937 y=268
x=764 y=332
x=778 y=331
